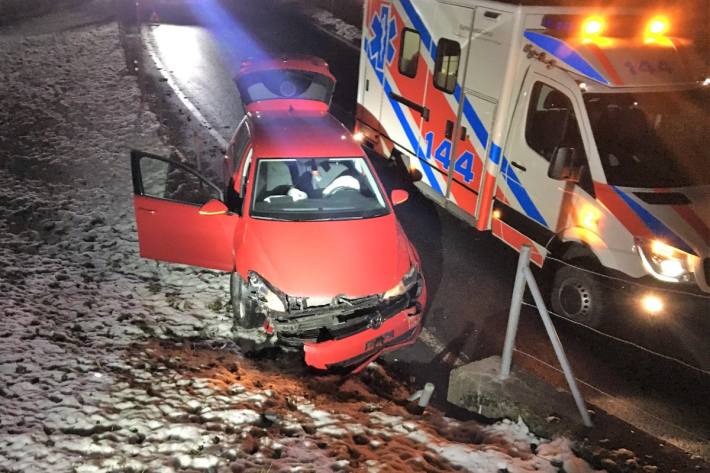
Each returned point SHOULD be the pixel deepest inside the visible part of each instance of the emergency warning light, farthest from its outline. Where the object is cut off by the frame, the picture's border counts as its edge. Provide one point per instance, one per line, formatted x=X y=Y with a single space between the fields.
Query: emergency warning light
x=602 y=26
x=658 y=26
x=593 y=26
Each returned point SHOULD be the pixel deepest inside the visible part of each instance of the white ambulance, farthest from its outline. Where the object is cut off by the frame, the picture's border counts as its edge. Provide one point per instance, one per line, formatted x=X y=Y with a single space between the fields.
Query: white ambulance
x=579 y=131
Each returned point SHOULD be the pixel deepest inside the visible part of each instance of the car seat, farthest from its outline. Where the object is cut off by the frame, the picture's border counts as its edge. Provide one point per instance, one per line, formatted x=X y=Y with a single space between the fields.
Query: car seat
x=274 y=179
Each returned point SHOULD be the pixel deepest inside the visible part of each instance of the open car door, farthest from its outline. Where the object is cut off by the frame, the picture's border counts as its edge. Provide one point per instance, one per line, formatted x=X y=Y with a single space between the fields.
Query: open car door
x=180 y=214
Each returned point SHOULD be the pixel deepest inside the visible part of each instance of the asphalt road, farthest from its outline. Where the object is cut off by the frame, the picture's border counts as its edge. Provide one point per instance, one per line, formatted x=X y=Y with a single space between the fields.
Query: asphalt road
x=469 y=274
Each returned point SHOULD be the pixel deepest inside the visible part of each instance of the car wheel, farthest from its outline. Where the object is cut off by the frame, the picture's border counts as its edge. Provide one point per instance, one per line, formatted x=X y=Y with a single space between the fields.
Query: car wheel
x=243 y=313
x=577 y=295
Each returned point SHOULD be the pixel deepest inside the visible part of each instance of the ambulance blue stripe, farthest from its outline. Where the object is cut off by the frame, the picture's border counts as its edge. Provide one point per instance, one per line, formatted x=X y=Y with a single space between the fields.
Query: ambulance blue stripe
x=419 y=26
x=495 y=153
x=523 y=198
x=411 y=136
x=566 y=54
x=479 y=128
x=655 y=225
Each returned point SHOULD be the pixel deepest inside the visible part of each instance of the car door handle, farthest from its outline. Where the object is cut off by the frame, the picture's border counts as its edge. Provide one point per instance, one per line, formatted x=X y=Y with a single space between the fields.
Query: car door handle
x=449 y=130
x=143 y=209
x=463 y=133
x=519 y=166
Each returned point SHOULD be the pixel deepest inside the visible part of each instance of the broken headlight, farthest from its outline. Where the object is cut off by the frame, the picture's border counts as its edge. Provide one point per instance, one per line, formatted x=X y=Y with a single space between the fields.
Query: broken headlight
x=264 y=293
x=407 y=282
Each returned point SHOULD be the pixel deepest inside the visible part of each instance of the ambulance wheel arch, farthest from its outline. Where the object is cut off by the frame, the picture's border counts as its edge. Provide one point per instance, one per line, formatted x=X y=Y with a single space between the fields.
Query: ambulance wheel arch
x=613 y=256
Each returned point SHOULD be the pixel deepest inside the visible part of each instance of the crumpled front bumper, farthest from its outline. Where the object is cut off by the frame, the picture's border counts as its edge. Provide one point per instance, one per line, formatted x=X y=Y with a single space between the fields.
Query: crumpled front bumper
x=358 y=350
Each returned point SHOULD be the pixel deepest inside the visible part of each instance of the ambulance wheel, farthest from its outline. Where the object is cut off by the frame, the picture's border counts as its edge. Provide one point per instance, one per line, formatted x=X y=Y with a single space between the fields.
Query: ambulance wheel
x=243 y=314
x=578 y=295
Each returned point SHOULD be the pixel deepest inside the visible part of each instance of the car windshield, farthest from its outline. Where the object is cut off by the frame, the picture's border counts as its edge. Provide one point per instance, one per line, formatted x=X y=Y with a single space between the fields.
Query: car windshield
x=652 y=139
x=285 y=84
x=316 y=189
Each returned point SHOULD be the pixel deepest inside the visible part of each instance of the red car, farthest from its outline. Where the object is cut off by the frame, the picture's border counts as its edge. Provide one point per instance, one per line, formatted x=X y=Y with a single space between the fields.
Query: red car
x=316 y=254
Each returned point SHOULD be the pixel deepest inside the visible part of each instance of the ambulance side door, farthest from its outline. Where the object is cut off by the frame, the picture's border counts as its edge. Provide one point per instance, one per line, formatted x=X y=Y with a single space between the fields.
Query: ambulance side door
x=546 y=125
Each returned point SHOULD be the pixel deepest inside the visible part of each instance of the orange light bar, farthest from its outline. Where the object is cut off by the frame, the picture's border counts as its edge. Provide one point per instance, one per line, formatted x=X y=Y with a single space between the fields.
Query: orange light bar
x=593 y=26
x=658 y=26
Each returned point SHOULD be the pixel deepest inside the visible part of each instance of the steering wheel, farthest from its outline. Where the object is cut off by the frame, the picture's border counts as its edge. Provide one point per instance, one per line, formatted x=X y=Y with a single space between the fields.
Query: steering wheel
x=341 y=188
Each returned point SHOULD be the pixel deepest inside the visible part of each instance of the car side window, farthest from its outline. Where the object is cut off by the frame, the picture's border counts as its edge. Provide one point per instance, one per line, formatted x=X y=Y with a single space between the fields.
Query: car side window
x=446 y=66
x=237 y=185
x=552 y=123
x=239 y=145
x=165 y=179
x=409 y=53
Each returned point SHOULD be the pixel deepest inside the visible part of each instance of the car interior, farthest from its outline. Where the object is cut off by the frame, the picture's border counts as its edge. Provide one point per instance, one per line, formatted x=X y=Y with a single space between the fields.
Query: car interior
x=302 y=179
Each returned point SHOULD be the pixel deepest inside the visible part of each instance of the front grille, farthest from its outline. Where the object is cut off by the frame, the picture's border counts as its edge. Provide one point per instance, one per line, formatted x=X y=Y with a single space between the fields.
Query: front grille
x=348 y=322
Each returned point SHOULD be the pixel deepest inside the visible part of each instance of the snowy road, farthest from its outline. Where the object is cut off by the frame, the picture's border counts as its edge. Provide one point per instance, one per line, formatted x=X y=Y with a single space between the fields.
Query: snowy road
x=192 y=59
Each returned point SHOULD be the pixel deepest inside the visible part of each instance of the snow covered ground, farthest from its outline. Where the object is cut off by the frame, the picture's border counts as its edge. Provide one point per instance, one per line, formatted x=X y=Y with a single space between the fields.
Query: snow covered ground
x=327 y=22
x=113 y=363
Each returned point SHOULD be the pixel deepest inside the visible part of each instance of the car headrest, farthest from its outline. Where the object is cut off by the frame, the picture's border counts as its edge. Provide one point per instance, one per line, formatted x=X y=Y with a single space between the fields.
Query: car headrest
x=556 y=99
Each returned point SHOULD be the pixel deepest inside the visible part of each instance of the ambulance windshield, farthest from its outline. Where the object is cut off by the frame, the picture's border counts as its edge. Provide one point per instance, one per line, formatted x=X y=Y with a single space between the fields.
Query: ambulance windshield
x=652 y=139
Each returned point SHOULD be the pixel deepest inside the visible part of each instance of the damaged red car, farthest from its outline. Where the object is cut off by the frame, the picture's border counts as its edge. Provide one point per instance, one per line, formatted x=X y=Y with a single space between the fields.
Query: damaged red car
x=317 y=257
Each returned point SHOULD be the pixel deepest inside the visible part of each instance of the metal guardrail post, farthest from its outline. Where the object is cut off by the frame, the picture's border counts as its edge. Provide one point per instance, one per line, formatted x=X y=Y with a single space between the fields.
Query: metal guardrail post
x=524 y=275
x=514 y=314
x=557 y=345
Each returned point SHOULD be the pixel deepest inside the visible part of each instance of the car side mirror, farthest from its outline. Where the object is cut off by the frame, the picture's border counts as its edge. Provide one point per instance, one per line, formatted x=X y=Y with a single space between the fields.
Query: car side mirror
x=213 y=207
x=563 y=165
x=399 y=196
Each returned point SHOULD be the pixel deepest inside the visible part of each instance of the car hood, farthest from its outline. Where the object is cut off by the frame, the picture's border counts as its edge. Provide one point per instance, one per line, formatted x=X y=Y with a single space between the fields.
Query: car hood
x=679 y=216
x=354 y=258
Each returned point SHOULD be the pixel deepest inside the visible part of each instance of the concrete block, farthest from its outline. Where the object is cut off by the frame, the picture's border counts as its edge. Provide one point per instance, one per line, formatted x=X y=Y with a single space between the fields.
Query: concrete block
x=546 y=410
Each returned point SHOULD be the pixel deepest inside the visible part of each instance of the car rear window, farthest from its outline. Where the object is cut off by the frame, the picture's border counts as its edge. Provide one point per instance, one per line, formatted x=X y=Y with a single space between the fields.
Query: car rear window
x=285 y=84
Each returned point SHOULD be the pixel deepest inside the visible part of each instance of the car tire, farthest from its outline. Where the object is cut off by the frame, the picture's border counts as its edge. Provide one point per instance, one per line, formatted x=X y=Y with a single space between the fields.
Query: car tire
x=243 y=314
x=578 y=296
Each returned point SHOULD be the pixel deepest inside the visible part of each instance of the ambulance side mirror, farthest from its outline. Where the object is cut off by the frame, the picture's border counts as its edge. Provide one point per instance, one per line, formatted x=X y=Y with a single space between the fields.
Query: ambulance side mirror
x=563 y=165
x=415 y=175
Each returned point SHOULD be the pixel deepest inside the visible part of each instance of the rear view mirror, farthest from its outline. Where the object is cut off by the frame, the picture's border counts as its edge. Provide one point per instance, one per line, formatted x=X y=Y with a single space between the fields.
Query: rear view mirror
x=399 y=196
x=213 y=207
x=563 y=165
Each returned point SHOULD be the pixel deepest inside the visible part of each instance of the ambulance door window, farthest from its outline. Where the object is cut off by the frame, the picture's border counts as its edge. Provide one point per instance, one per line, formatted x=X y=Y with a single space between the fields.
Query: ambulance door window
x=446 y=66
x=552 y=123
x=409 y=53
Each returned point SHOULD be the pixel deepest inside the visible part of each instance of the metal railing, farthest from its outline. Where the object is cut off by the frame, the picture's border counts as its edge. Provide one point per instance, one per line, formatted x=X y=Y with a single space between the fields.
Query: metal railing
x=525 y=278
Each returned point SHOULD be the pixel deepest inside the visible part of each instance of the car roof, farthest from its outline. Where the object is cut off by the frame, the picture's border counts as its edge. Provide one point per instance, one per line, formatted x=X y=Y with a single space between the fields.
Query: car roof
x=299 y=134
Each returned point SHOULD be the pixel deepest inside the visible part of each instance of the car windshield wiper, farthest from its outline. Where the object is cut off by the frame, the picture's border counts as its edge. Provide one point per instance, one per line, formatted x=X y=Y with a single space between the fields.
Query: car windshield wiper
x=276 y=219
